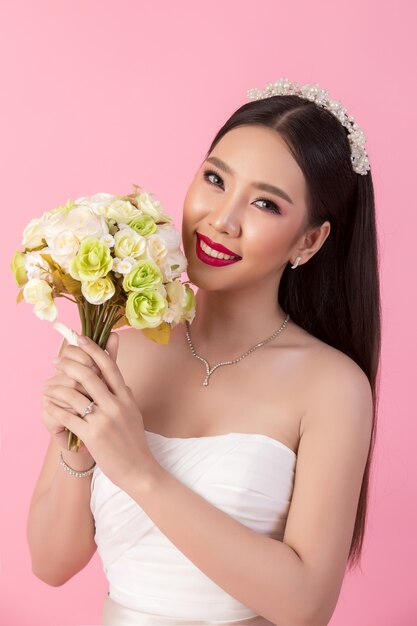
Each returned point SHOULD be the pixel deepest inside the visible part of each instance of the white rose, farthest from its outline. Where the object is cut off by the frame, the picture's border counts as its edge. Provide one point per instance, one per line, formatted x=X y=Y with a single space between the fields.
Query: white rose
x=84 y=223
x=127 y=242
x=38 y=292
x=63 y=247
x=33 y=234
x=108 y=240
x=156 y=248
x=98 y=203
x=98 y=291
x=170 y=235
x=124 y=266
x=152 y=207
x=177 y=299
x=175 y=258
x=36 y=266
x=122 y=211
x=52 y=222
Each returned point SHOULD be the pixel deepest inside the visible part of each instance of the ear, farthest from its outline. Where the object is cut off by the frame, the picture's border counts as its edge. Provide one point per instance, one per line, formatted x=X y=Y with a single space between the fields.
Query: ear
x=312 y=241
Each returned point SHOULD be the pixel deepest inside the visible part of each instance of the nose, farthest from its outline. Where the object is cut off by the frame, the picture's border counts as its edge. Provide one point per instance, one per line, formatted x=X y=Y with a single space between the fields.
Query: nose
x=225 y=219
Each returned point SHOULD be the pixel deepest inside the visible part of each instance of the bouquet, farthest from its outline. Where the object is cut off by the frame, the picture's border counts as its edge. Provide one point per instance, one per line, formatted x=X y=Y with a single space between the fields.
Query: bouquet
x=116 y=257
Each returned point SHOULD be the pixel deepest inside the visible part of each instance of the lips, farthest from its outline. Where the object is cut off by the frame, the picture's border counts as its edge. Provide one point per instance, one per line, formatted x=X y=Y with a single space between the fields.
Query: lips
x=217 y=246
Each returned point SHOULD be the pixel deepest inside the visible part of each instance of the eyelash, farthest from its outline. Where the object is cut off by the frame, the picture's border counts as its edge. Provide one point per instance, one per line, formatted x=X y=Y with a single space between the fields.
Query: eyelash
x=275 y=208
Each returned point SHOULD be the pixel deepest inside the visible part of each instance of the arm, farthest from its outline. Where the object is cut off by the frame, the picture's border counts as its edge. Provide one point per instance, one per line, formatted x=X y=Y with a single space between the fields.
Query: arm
x=296 y=581
x=60 y=526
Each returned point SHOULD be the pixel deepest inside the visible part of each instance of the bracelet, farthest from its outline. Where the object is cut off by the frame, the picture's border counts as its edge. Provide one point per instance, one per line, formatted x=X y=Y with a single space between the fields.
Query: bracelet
x=74 y=472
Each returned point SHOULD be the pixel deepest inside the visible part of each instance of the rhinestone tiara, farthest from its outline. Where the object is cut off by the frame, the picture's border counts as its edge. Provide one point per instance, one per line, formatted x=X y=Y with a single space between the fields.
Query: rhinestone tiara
x=319 y=95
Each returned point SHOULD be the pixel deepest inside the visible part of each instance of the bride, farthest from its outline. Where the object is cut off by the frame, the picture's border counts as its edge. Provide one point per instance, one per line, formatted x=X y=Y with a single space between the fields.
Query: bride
x=237 y=493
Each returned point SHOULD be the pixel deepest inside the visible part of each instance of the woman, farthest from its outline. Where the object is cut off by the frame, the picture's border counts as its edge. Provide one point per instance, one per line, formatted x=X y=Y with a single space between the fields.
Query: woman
x=238 y=495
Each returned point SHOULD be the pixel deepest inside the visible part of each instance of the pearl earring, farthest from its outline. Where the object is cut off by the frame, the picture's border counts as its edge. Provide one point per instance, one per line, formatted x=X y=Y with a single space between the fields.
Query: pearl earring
x=297 y=260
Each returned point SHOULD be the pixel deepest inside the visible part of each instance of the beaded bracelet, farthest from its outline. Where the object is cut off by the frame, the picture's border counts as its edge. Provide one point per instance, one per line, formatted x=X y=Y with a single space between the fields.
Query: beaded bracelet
x=74 y=472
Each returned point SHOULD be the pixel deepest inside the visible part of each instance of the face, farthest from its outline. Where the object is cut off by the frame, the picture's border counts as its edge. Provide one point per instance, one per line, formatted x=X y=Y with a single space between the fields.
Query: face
x=263 y=227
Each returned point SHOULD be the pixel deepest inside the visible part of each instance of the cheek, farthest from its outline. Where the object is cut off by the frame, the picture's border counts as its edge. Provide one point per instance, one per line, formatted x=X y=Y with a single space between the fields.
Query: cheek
x=271 y=244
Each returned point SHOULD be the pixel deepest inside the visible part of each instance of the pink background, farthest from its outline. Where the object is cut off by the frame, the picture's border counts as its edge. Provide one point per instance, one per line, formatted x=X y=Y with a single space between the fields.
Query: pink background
x=99 y=95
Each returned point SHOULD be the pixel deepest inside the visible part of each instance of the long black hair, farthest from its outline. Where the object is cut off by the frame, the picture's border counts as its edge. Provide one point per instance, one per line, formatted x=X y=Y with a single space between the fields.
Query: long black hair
x=336 y=295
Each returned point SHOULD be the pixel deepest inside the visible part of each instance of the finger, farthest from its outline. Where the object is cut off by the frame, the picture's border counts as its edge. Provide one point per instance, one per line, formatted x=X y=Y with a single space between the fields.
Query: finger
x=75 y=400
x=76 y=353
x=94 y=386
x=112 y=345
x=62 y=379
x=109 y=369
x=74 y=423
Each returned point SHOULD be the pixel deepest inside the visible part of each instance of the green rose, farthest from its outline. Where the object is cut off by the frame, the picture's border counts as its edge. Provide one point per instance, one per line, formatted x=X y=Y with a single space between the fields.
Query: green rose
x=145 y=309
x=144 y=276
x=92 y=261
x=17 y=265
x=144 y=225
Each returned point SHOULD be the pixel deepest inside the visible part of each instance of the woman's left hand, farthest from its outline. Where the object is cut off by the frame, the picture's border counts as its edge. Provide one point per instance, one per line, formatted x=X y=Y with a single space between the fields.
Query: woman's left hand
x=113 y=432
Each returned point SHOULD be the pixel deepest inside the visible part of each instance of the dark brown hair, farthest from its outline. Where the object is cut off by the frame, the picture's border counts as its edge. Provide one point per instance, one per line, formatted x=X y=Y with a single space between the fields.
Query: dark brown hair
x=335 y=296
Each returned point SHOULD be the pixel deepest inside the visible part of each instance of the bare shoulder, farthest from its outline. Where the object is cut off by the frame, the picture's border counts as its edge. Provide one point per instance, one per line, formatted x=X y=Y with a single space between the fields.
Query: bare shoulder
x=137 y=354
x=336 y=382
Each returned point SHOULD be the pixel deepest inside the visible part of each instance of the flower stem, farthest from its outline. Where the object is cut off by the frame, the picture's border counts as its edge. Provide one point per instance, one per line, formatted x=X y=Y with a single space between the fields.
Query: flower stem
x=98 y=323
x=110 y=320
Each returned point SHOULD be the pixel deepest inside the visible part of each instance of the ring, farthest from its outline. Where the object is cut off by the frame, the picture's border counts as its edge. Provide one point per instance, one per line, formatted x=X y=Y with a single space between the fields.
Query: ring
x=87 y=409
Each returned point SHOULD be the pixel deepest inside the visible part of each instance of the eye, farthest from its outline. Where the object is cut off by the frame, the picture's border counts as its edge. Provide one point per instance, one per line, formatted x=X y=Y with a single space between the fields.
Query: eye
x=208 y=173
x=273 y=208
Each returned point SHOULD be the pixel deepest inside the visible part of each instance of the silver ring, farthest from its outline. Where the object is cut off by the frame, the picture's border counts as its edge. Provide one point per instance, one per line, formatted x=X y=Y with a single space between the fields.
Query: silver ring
x=87 y=409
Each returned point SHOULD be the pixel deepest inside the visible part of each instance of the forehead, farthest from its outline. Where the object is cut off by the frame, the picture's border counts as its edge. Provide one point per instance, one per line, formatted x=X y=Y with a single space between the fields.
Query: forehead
x=259 y=154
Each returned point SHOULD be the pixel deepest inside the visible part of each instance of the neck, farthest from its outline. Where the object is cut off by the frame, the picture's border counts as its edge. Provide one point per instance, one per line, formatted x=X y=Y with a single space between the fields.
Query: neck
x=229 y=324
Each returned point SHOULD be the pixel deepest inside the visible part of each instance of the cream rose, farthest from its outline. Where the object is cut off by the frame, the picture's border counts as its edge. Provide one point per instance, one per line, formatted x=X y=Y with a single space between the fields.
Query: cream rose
x=84 y=223
x=152 y=207
x=36 y=266
x=98 y=291
x=63 y=247
x=38 y=292
x=169 y=235
x=33 y=234
x=175 y=263
x=156 y=249
x=122 y=211
x=181 y=299
x=98 y=203
x=52 y=222
x=127 y=242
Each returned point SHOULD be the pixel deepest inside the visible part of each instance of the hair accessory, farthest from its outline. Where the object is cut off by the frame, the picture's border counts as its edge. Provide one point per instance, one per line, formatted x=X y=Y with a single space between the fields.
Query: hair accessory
x=74 y=472
x=319 y=95
x=210 y=370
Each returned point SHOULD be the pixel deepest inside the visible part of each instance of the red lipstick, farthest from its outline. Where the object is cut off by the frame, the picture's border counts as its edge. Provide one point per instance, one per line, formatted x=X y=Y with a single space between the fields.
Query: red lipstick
x=209 y=260
x=216 y=246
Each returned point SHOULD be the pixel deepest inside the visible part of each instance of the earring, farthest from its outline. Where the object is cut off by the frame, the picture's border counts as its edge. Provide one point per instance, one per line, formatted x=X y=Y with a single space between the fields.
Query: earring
x=297 y=260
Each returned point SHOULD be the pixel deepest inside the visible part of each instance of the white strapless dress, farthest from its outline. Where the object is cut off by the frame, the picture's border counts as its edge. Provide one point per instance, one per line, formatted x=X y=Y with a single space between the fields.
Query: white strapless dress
x=151 y=582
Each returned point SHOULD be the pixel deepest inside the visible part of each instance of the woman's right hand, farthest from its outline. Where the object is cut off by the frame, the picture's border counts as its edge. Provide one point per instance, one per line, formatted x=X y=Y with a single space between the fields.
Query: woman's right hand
x=56 y=429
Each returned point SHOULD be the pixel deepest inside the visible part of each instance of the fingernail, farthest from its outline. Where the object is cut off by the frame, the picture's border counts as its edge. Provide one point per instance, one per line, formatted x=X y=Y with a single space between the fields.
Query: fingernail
x=82 y=340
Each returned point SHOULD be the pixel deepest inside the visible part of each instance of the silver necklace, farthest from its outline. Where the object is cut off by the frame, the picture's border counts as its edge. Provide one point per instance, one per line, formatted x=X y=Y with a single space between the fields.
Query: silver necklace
x=210 y=370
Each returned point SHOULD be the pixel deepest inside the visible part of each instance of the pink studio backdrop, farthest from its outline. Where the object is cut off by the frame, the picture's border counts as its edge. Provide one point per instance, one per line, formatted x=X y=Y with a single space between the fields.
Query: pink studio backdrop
x=99 y=95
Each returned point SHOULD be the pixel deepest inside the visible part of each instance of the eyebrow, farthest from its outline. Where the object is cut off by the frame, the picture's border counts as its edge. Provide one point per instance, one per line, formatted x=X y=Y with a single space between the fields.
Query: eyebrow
x=263 y=186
